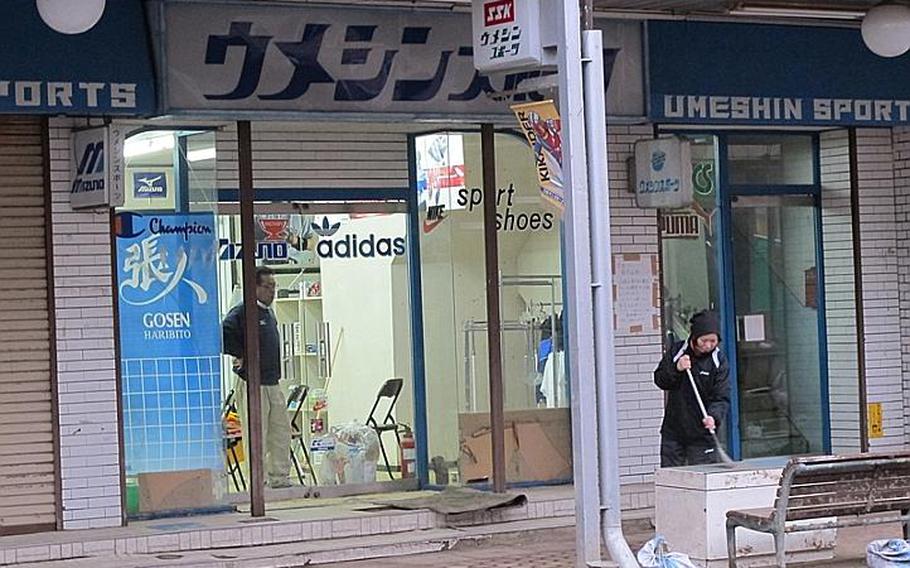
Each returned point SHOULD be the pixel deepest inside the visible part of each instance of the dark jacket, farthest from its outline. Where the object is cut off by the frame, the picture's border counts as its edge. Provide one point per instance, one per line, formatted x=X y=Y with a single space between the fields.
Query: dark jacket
x=269 y=342
x=682 y=417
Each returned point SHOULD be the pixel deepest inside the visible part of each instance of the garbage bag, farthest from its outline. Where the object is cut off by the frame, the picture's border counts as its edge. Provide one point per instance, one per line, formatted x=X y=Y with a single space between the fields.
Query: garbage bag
x=656 y=554
x=350 y=453
x=893 y=553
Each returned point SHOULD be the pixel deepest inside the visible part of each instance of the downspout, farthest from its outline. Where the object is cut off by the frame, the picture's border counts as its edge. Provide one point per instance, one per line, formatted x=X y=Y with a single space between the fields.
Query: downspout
x=602 y=291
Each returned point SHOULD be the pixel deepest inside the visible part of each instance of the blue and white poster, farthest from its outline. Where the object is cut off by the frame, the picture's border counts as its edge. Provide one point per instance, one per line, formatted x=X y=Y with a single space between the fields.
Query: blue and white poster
x=170 y=337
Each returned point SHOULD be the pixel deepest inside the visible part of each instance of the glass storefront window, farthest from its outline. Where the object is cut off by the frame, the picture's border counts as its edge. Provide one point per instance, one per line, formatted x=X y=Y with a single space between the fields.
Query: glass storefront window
x=343 y=321
x=689 y=246
x=776 y=297
x=769 y=159
x=775 y=345
x=170 y=333
x=449 y=182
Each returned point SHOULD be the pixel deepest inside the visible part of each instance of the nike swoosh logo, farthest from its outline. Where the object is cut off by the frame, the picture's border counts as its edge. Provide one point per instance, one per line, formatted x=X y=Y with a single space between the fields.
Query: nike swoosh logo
x=429 y=225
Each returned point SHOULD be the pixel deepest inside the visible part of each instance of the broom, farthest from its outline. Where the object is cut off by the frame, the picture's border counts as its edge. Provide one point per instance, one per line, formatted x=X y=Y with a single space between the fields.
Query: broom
x=724 y=458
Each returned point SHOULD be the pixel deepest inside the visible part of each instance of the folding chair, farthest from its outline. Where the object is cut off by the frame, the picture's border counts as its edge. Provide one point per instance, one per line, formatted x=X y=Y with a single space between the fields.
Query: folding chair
x=231 y=443
x=296 y=400
x=391 y=389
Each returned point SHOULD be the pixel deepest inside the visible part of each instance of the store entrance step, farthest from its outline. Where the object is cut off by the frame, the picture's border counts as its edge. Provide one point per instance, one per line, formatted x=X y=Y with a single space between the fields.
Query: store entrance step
x=289 y=555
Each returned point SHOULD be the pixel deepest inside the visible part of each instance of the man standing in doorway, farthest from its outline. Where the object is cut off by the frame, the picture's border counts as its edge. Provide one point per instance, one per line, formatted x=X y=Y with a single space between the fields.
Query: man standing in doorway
x=276 y=429
x=685 y=436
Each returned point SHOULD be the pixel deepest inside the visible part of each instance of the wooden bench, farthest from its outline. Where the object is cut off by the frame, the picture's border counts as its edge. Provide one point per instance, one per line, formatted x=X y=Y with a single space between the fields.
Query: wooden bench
x=848 y=488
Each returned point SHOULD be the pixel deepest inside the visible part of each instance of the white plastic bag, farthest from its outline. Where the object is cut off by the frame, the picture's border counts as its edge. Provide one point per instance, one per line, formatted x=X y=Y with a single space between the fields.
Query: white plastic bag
x=656 y=554
x=351 y=456
x=888 y=554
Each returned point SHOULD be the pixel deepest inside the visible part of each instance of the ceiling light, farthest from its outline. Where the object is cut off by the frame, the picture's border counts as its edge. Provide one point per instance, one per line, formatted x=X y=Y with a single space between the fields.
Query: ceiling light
x=886 y=29
x=201 y=154
x=142 y=145
x=805 y=13
x=70 y=16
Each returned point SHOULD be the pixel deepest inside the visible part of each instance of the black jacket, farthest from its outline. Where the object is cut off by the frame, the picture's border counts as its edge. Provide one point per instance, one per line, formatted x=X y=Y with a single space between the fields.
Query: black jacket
x=682 y=417
x=269 y=342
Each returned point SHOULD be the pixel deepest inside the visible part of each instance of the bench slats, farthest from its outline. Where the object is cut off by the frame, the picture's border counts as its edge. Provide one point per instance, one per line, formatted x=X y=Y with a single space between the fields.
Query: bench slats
x=833 y=491
x=881 y=506
x=854 y=483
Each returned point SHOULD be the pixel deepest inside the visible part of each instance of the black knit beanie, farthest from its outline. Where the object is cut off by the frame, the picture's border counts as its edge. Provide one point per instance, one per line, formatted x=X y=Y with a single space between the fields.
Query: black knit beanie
x=704 y=323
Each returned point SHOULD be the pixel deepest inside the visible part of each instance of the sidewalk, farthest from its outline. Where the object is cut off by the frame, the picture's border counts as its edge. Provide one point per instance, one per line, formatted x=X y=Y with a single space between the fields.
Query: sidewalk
x=353 y=532
x=293 y=533
x=555 y=549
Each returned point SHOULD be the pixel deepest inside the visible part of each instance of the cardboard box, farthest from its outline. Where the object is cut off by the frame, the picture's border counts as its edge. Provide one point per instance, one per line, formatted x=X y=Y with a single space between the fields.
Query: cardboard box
x=538 y=445
x=174 y=490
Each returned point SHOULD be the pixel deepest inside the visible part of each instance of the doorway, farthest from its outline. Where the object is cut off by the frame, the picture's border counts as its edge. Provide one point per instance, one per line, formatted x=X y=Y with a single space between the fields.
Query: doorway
x=750 y=249
x=343 y=270
x=778 y=313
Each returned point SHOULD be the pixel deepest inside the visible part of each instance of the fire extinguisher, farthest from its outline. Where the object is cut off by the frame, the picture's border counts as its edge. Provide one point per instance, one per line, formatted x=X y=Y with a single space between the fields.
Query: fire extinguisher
x=407 y=454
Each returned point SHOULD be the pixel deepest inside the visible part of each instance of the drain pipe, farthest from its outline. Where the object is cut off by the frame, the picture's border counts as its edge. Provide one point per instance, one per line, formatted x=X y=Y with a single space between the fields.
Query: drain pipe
x=602 y=289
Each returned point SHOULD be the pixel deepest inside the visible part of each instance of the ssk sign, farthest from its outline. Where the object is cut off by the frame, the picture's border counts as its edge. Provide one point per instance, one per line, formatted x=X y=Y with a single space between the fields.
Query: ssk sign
x=506 y=34
x=97 y=168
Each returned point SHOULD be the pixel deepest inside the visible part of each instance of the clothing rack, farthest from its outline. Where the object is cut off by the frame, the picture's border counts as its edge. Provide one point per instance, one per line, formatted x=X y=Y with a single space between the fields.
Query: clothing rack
x=471 y=327
x=529 y=327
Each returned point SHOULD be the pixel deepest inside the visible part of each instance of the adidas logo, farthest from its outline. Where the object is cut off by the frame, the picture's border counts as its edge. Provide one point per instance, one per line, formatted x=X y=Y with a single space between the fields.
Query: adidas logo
x=326 y=229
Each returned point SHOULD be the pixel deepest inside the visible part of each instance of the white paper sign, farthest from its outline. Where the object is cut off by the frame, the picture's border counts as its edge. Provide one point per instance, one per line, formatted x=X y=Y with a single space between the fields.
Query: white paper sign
x=663 y=173
x=506 y=34
x=754 y=327
x=635 y=293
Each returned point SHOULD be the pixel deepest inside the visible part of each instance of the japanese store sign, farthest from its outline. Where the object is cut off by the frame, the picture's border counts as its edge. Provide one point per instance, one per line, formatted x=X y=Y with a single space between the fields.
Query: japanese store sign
x=774 y=75
x=167 y=285
x=663 y=173
x=506 y=34
x=45 y=71
x=97 y=168
x=236 y=57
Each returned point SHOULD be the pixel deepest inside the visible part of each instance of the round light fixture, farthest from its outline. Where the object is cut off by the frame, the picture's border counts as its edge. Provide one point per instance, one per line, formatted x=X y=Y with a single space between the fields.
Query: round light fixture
x=886 y=29
x=70 y=16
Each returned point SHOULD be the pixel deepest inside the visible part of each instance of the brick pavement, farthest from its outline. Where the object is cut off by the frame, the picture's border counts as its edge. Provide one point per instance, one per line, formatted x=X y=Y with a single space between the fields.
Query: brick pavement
x=555 y=549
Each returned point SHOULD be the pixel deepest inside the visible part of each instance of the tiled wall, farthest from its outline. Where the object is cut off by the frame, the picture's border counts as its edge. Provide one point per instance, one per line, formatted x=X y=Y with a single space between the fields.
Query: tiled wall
x=901 y=140
x=87 y=381
x=634 y=231
x=879 y=240
x=840 y=296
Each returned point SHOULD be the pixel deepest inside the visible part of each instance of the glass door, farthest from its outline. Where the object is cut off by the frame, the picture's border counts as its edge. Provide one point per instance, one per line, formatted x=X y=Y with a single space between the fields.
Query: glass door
x=778 y=306
x=342 y=306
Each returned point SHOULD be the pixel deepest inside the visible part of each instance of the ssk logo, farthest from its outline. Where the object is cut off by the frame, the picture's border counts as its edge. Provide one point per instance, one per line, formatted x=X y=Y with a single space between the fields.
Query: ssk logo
x=499 y=12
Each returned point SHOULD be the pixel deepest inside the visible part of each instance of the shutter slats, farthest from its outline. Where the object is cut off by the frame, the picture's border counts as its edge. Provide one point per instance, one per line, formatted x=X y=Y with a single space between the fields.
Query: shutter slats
x=27 y=480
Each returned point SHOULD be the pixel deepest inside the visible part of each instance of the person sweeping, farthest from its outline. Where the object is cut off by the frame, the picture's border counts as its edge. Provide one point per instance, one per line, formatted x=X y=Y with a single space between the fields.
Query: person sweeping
x=691 y=417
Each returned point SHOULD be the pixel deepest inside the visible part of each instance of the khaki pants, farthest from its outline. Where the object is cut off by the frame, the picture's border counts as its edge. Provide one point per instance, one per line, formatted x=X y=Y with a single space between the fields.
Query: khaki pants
x=276 y=433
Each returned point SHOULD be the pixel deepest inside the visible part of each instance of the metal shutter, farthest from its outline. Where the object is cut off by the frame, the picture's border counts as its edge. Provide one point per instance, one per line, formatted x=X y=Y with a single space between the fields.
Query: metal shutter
x=28 y=495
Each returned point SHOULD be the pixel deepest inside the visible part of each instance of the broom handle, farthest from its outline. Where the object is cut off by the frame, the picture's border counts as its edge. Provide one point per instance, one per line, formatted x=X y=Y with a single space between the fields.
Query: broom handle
x=704 y=411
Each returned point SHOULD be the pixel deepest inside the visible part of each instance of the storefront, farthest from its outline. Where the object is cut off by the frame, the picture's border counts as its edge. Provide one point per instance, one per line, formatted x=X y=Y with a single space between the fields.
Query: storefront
x=795 y=234
x=373 y=226
x=360 y=136
x=369 y=209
